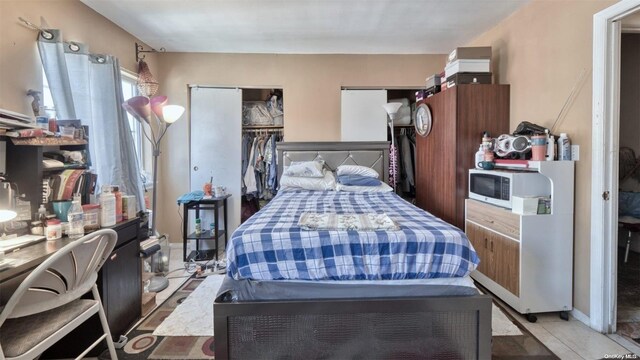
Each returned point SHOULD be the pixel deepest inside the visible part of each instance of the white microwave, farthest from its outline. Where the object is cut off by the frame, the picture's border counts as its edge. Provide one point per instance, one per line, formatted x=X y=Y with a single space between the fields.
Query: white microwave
x=498 y=187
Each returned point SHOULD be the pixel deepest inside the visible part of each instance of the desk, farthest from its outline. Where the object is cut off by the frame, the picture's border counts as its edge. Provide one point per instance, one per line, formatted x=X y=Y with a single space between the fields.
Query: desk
x=119 y=283
x=201 y=205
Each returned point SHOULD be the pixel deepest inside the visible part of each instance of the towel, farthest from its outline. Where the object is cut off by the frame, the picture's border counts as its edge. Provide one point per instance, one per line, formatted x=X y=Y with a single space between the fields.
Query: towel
x=332 y=221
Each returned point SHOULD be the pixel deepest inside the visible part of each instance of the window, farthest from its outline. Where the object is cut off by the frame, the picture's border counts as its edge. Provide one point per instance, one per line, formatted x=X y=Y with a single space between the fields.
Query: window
x=47 y=99
x=129 y=90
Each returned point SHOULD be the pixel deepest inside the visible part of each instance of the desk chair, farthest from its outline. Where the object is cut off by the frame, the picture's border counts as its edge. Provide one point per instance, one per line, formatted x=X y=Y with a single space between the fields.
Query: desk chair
x=632 y=225
x=47 y=304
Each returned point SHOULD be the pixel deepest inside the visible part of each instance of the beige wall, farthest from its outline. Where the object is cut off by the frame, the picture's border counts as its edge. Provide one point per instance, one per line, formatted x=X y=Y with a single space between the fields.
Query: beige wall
x=541 y=50
x=311 y=86
x=20 y=66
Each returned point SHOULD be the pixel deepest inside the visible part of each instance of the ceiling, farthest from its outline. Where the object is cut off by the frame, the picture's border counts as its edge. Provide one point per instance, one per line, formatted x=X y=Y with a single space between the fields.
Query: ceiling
x=306 y=26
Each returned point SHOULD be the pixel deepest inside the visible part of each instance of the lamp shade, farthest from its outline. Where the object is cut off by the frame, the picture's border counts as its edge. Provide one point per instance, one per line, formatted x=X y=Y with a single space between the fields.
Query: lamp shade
x=157 y=103
x=392 y=108
x=171 y=113
x=7 y=202
x=140 y=107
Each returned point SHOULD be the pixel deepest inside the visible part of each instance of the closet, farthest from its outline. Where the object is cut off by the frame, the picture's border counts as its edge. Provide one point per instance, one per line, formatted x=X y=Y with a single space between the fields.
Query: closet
x=443 y=158
x=364 y=119
x=227 y=125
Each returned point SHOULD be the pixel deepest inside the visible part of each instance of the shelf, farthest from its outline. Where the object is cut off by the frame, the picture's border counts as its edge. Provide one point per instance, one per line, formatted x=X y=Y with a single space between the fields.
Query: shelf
x=262 y=127
x=205 y=235
x=201 y=255
x=61 y=168
x=47 y=141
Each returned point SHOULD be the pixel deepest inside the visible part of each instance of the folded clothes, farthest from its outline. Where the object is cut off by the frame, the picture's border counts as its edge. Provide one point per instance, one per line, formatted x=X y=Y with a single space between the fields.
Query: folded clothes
x=358 y=180
x=332 y=221
x=192 y=196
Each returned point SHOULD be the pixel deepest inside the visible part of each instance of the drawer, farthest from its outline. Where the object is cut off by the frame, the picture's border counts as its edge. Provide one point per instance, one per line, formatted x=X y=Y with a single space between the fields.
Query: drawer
x=495 y=218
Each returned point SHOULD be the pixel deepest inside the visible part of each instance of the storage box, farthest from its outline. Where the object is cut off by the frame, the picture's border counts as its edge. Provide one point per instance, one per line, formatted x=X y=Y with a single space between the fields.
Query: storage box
x=128 y=207
x=469 y=78
x=433 y=80
x=467 y=66
x=525 y=205
x=432 y=91
x=478 y=52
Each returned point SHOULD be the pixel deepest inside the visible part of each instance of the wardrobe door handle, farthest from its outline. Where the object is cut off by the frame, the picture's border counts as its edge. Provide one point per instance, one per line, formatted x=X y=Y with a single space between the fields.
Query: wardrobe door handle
x=491 y=245
x=485 y=243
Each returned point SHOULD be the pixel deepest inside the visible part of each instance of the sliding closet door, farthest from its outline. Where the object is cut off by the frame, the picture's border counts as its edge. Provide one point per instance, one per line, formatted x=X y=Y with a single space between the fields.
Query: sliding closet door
x=362 y=117
x=216 y=136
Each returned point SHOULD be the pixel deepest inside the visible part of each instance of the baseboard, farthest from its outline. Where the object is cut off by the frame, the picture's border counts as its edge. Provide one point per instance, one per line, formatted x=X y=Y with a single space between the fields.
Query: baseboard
x=580 y=316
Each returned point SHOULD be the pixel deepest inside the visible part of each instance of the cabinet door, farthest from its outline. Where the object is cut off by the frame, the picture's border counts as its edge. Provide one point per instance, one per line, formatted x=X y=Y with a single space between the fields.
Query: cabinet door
x=362 y=116
x=216 y=141
x=506 y=259
x=480 y=239
x=436 y=160
x=120 y=287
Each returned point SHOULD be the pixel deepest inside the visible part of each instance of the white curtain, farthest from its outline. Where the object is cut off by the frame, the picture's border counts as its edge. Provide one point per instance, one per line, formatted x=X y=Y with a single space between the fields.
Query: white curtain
x=89 y=87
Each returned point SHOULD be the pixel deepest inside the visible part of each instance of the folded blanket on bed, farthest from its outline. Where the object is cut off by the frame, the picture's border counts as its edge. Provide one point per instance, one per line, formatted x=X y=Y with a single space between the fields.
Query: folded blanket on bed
x=333 y=221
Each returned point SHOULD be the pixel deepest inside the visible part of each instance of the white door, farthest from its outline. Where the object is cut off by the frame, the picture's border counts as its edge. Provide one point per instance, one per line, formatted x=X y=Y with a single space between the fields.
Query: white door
x=362 y=116
x=216 y=136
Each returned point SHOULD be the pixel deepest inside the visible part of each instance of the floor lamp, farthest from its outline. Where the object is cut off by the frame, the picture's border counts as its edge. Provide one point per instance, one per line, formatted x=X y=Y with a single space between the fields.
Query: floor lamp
x=392 y=111
x=141 y=107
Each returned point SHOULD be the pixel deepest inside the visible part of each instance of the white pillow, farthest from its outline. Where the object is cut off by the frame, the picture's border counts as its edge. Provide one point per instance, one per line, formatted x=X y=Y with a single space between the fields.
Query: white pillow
x=328 y=182
x=383 y=187
x=357 y=170
x=305 y=169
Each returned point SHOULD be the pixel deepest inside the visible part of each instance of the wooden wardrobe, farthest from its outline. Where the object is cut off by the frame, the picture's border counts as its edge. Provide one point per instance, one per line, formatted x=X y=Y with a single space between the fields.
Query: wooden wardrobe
x=460 y=115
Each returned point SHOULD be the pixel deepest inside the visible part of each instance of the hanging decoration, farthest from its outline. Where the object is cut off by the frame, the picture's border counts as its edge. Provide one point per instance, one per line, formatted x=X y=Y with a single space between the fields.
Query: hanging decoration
x=146 y=83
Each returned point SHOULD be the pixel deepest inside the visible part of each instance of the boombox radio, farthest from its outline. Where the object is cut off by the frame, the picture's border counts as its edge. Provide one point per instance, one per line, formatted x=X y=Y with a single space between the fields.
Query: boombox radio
x=505 y=145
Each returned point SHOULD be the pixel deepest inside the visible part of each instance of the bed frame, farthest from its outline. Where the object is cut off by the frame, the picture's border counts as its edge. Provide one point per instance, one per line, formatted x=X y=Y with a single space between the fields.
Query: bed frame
x=454 y=327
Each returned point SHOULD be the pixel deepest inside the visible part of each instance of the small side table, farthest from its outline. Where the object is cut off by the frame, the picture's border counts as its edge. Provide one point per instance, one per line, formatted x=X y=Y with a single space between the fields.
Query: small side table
x=632 y=225
x=216 y=204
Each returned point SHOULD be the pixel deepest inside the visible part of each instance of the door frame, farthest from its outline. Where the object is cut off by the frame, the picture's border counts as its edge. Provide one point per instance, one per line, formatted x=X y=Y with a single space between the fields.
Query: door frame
x=604 y=160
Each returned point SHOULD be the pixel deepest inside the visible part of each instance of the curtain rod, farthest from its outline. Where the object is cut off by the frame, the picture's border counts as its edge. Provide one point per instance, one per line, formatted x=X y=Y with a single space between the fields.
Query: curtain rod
x=46 y=34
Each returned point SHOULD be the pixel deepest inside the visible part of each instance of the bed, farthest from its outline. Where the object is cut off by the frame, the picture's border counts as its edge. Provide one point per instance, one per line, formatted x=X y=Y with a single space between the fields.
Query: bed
x=292 y=293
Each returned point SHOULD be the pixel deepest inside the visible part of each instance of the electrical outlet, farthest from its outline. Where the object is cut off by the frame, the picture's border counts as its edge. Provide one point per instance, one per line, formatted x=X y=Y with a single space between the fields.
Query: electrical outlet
x=575 y=152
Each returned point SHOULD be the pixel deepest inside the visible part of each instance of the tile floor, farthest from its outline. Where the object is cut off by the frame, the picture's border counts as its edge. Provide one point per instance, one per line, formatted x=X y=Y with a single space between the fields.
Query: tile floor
x=567 y=339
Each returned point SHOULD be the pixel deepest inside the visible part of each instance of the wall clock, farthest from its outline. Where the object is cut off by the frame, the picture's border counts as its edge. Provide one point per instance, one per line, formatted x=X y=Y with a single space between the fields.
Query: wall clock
x=423 y=120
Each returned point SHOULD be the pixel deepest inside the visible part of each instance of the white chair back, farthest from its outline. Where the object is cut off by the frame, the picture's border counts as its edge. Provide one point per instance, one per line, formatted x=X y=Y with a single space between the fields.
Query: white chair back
x=65 y=276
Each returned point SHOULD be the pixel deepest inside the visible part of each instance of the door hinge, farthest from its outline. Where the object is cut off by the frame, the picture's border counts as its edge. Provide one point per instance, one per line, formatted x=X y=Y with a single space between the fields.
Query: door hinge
x=605 y=195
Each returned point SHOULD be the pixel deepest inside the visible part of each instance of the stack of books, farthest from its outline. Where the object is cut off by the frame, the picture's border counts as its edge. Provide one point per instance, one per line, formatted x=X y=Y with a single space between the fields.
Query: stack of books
x=149 y=247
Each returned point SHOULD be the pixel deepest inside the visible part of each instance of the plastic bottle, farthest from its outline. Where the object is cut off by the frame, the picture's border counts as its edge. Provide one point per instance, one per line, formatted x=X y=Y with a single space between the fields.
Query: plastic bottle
x=487 y=145
x=564 y=147
x=107 y=207
x=75 y=217
x=198 y=226
x=479 y=156
x=118 y=195
x=551 y=147
x=42 y=214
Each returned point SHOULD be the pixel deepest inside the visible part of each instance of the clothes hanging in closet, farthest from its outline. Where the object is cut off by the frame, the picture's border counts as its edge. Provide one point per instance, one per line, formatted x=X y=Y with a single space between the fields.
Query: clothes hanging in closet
x=260 y=173
x=405 y=142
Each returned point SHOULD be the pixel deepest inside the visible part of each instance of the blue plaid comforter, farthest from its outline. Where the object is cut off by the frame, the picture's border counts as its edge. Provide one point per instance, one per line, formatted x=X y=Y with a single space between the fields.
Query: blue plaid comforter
x=271 y=246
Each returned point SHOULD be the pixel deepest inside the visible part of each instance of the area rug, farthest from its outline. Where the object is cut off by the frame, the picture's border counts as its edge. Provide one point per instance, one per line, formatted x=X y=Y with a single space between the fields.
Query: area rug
x=156 y=336
x=628 y=324
x=194 y=316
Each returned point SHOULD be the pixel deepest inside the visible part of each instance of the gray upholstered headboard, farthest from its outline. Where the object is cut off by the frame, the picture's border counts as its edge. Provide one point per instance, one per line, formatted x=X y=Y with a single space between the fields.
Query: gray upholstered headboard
x=374 y=154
